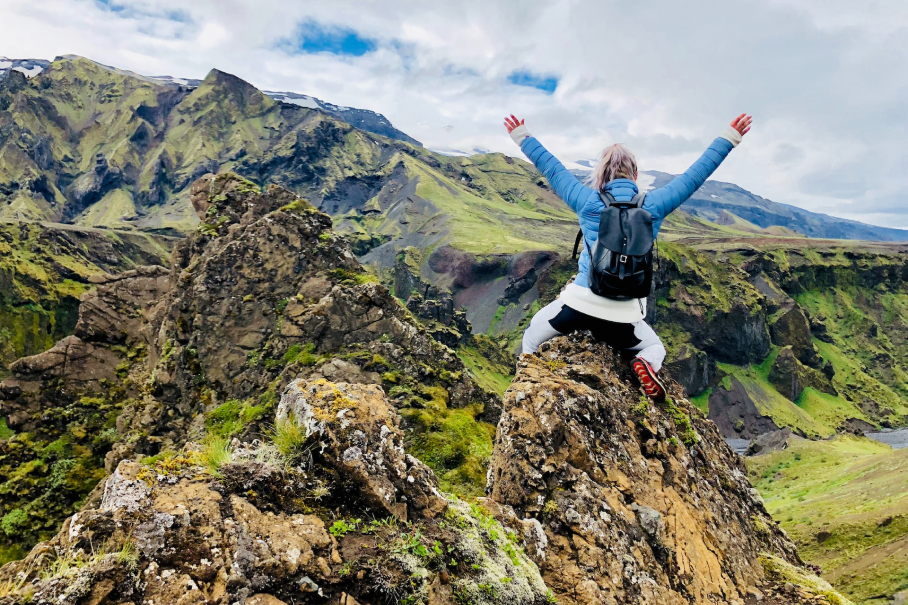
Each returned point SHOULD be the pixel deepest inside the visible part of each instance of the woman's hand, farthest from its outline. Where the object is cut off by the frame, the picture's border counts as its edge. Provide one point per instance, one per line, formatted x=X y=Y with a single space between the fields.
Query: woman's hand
x=741 y=123
x=512 y=123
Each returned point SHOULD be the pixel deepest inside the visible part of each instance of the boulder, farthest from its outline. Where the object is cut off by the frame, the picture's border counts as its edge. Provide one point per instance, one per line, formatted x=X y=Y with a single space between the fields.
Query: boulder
x=359 y=437
x=771 y=442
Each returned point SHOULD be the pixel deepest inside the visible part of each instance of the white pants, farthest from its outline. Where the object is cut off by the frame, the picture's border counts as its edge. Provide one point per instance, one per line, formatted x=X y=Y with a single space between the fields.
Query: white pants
x=649 y=347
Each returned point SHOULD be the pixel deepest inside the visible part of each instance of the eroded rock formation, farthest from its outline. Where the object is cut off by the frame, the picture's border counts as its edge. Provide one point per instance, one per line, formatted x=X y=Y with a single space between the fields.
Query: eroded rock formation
x=264 y=292
x=347 y=518
x=627 y=502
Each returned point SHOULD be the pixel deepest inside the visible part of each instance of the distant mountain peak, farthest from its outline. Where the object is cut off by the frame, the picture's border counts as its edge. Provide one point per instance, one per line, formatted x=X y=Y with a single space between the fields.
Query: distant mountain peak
x=363 y=119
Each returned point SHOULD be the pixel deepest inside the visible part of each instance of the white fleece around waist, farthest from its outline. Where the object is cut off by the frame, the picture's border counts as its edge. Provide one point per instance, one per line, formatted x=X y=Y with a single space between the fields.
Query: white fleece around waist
x=621 y=311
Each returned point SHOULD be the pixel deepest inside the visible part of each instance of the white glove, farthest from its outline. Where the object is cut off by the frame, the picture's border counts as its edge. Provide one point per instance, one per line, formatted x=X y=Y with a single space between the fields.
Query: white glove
x=520 y=133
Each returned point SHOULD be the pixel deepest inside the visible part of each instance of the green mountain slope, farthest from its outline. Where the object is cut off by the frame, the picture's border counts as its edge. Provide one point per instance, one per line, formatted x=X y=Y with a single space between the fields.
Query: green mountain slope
x=844 y=503
x=44 y=269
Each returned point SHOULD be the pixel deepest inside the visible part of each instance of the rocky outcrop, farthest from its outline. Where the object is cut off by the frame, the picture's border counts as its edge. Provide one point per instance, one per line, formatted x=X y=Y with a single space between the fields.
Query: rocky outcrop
x=790 y=377
x=791 y=329
x=94 y=185
x=596 y=496
x=735 y=411
x=692 y=368
x=434 y=306
x=711 y=302
x=625 y=502
x=332 y=511
x=447 y=324
x=263 y=293
x=775 y=441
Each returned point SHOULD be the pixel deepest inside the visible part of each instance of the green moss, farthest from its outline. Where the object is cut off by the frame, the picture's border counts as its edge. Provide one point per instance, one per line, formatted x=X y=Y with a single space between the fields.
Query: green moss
x=5 y=431
x=348 y=277
x=783 y=572
x=701 y=401
x=302 y=354
x=682 y=422
x=452 y=442
x=14 y=522
x=232 y=416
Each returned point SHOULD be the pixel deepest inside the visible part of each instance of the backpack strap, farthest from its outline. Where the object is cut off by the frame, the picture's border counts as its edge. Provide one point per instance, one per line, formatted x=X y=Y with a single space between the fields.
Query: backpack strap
x=577 y=245
x=609 y=200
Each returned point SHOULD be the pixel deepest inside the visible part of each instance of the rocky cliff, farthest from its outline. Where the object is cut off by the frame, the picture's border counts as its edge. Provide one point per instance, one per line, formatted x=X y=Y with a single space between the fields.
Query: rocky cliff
x=625 y=501
x=262 y=293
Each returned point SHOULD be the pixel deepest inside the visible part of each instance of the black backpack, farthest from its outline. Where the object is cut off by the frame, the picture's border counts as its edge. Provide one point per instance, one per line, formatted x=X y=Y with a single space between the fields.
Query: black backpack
x=621 y=260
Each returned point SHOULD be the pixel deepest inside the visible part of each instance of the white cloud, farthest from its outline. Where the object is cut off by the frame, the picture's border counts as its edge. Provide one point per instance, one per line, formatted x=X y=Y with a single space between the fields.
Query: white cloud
x=212 y=35
x=825 y=79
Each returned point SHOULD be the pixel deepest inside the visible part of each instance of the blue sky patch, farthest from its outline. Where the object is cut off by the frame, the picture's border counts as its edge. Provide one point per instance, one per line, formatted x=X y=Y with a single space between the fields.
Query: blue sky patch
x=547 y=84
x=313 y=37
x=129 y=12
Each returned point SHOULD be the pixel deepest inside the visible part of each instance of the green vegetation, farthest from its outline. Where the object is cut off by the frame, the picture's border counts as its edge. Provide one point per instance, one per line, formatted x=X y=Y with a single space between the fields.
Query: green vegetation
x=701 y=401
x=38 y=306
x=216 y=453
x=341 y=528
x=682 y=423
x=450 y=441
x=843 y=502
x=289 y=438
x=769 y=402
x=784 y=572
x=301 y=354
x=488 y=364
x=229 y=418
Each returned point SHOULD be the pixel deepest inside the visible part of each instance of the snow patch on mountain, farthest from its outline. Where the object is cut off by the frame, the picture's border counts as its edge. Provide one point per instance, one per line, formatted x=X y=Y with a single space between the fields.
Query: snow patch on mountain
x=29 y=67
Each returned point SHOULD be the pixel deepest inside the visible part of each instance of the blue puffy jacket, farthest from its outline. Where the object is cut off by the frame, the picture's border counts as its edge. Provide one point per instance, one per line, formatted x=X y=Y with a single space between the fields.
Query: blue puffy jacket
x=587 y=204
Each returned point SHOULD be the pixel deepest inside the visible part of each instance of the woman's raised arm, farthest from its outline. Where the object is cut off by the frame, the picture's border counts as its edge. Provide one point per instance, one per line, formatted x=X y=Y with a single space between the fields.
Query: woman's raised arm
x=661 y=202
x=562 y=181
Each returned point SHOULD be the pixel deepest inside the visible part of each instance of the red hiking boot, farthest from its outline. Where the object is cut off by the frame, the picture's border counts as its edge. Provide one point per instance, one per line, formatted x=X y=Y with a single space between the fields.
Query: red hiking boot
x=654 y=388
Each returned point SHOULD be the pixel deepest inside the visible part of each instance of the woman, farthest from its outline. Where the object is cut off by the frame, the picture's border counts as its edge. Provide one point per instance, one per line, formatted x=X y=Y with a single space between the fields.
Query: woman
x=616 y=322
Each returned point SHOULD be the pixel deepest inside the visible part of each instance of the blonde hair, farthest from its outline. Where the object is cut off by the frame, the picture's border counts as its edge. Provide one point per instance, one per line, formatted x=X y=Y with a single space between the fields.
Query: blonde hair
x=615 y=162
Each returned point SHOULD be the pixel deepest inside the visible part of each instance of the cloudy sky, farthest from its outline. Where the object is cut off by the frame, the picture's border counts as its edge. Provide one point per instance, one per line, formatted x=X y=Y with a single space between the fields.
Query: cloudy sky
x=827 y=80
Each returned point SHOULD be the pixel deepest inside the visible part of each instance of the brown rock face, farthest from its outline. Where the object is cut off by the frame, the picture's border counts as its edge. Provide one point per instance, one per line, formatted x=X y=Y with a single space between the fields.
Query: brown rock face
x=634 y=503
x=692 y=368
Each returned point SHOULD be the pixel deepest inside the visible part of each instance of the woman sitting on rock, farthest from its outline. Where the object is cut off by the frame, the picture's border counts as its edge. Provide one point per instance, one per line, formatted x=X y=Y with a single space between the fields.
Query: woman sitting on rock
x=617 y=320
